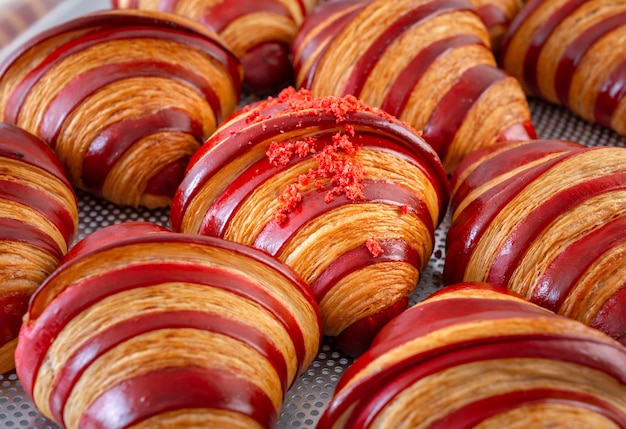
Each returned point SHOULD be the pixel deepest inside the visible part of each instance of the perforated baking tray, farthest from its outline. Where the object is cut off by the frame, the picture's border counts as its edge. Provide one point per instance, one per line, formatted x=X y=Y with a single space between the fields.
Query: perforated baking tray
x=309 y=396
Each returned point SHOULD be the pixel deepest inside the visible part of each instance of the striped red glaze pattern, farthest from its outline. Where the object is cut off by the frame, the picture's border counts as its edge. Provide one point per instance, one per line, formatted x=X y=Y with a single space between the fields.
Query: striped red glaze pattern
x=285 y=119
x=217 y=93
x=51 y=234
x=332 y=17
x=403 y=357
x=492 y=15
x=484 y=188
x=600 y=94
x=148 y=395
x=327 y=27
x=151 y=259
x=399 y=94
x=274 y=23
x=366 y=62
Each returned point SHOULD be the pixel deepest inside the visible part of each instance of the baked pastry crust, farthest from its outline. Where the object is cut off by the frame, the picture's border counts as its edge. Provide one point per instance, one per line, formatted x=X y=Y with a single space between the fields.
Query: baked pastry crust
x=259 y=32
x=139 y=322
x=476 y=355
x=546 y=219
x=427 y=62
x=123 y=97
x=497 y=16
x=571 y=52
x=38 y=222
x=346 y=195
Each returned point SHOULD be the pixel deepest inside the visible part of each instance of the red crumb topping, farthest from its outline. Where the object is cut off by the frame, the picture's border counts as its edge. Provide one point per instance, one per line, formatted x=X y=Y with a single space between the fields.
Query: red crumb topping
x=374 y=247
x=281 y=153
x=253 y=116
x=300 y=103
x=336 y=163
x=289 y=199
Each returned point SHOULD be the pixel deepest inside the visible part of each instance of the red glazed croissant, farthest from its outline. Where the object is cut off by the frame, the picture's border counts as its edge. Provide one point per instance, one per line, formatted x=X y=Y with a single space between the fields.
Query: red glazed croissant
x=38 y=221
x=547 y=219
x=427 y=62
x=259 y=32
x=124 y=98
x=158 y=329
x=346 y=195
x=473 y=356
x=572 y=52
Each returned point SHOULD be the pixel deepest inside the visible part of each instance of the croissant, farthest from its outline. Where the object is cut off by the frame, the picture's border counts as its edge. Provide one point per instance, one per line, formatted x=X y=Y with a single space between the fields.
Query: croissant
x=547 y=219
x=474 y=356
x=123 y=97
x=142 y=327
x=344 y=194
x=571 y=52
x=427 y=62
x=38 y=221
x=260 y=33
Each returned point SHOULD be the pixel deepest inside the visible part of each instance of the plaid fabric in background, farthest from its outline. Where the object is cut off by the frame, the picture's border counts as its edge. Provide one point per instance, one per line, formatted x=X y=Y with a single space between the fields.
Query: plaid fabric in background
x=17 y=15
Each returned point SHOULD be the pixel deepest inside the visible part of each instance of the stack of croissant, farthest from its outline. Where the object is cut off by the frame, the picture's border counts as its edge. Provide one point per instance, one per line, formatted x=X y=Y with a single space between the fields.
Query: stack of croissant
x=313 y=212
x=514 y=212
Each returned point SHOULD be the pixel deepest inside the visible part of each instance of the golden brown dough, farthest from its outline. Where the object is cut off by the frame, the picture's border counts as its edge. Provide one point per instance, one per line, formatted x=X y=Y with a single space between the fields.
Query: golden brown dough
x=427 y=62
x=123 y=97
x=346 y=195
x=547 y=219
x=143 y=327
x=475 y=355
x=259 y=32
x=38 y=222
x=571 y=52
x=497 y=16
